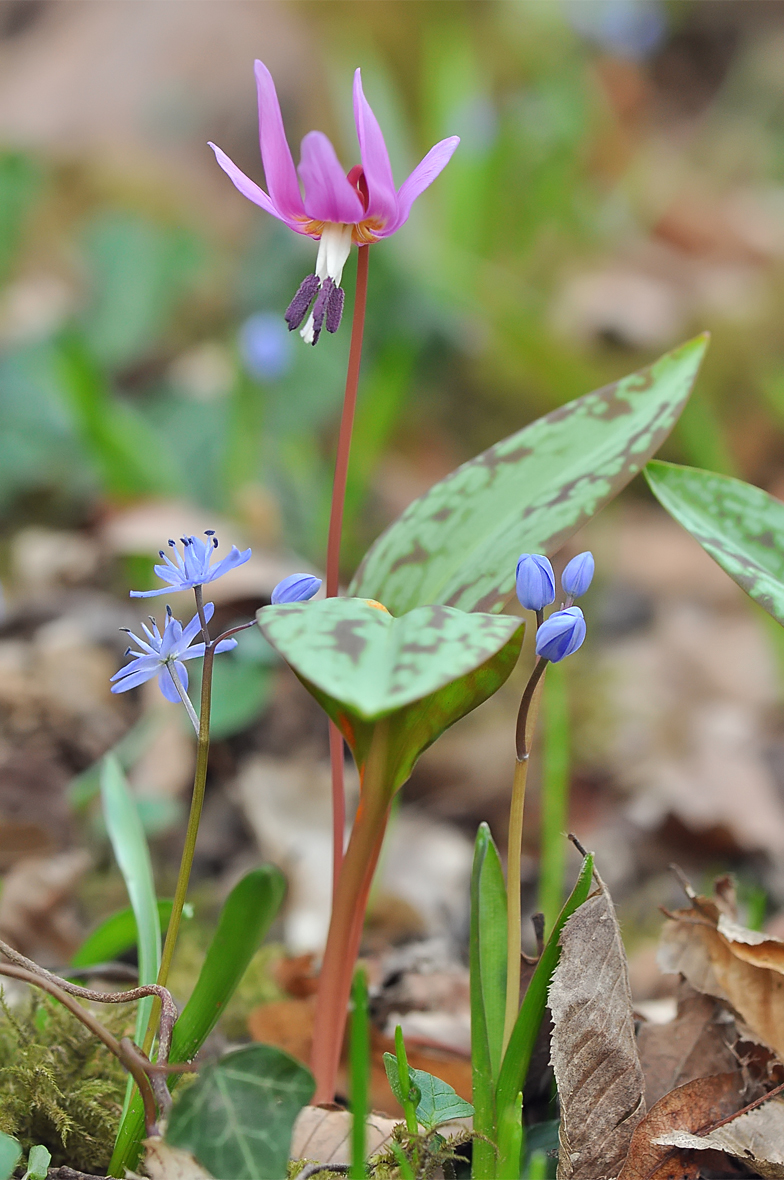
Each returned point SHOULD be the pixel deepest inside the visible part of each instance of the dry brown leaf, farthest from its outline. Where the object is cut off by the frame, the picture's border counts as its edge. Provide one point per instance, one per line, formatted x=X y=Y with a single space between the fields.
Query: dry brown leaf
x=696 y=1044
x=755 y=1139
x=593 y=1050
x=692 y=1107
x=164 y=1162
x=323 y=1134
x=722 y=959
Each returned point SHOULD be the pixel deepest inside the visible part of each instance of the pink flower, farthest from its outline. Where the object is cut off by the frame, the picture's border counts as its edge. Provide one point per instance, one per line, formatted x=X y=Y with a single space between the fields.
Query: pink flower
x=337 y=209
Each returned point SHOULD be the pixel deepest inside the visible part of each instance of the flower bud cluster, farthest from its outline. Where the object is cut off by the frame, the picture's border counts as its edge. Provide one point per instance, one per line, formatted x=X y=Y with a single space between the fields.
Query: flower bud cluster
x=564 y=631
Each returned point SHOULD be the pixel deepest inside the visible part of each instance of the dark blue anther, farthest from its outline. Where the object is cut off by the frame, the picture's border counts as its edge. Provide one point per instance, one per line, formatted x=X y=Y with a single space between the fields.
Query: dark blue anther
x=298 y=308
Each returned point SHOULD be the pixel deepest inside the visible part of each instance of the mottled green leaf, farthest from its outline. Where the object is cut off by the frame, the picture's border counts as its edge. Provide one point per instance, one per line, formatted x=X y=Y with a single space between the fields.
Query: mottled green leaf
x=424 y=670
x=741 y=526
x=237 y=1117
x=458 y=544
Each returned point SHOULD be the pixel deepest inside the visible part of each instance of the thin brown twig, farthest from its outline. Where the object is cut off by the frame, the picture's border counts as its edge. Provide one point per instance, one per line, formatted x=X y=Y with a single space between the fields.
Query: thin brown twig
x=168 y=1007
x=129 y=1060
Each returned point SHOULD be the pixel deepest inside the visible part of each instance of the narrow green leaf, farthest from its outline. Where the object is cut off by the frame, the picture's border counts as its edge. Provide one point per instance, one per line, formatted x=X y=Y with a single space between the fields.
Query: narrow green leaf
x=483 y=1091
x=438 y=1102
x=510 y=1139
x=511 y=1080
x=458 y=544
x=246 y=917
x=116 y=935
x=237 y=1117
x=425 y=670
x=492 y=951
x=359 y=1073
x=10 y=1151
x=133 y=857
x=38 y=1163
x=739 y=525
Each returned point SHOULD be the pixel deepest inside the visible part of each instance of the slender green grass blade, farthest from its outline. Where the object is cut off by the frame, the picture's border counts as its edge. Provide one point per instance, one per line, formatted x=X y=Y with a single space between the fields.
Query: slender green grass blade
x=492 y=951
x=514 y=1068
x=133 y=857
x=116 y=935
x=359 y=1076
x=483 y=1152
x=510 y=1140
x=555 y=795
x=246 y=917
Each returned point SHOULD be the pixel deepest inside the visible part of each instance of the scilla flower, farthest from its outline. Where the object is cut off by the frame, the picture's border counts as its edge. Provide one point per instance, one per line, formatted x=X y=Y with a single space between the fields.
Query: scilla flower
x=160 y=654
x=337 y=208
x=561 y=634
x=193 y=567
x=296 y=588
x=578 y=575
x=535 y=581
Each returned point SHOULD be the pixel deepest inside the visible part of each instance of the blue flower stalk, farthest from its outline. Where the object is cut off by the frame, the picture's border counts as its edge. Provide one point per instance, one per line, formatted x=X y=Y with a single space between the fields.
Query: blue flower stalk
x=163 y=654
x=557 y=637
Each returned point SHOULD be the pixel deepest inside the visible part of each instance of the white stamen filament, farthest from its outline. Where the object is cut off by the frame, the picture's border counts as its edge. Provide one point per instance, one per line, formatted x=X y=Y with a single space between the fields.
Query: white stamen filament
x=334 y=249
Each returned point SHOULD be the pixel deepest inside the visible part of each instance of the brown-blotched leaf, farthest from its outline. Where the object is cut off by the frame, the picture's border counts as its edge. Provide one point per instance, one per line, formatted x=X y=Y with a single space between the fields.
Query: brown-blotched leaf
x=457 y=545
x=723 y=959
x=593 y=1050
x=692 y=1108
x=756 y=1139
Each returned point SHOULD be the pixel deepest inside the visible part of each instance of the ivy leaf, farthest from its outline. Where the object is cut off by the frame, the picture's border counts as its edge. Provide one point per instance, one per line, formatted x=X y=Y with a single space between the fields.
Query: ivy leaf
x=237 y=1117
x=437 y=1103
x=424 y=670
x=458 y=544
x=740 y=526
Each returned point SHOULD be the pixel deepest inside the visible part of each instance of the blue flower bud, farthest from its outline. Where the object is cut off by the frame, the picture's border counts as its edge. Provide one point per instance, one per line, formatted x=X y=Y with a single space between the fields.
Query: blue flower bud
x=578 y=574
x=295 y=588
x=561 y=634
x=535 y=581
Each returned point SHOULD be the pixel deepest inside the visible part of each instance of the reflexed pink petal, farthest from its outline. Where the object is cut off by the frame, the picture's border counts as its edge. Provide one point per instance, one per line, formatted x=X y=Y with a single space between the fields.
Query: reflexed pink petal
x=375 y=158
x=424 y=174
x=275 y=154
x=252 y=191
x=328 y=194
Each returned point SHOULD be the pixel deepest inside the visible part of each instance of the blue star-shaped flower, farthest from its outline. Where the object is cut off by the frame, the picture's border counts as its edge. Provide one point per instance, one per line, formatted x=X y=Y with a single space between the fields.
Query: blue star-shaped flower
x=192 y=567
x=160 y=654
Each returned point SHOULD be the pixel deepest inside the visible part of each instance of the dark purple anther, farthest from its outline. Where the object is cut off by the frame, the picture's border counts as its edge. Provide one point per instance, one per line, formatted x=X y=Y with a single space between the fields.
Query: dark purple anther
x=320 y=307
x=298 y=308
x=335 y=308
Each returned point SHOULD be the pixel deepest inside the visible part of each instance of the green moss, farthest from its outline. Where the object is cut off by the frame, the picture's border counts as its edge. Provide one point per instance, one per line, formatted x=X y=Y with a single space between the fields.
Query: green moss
x=59 y=1086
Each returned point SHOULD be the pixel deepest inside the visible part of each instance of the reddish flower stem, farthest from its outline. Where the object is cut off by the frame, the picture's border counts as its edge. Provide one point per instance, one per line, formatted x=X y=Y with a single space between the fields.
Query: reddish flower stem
x=334 y=538
x=348 y=911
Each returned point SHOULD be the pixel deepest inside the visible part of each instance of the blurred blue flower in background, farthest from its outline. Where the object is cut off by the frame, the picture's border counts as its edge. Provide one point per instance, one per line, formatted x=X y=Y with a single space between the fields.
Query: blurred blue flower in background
x=628 y=28
x=266 y=347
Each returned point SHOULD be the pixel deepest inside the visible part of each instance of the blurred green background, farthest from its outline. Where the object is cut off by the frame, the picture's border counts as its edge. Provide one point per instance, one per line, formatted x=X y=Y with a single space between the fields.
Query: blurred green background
x=619 y=186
